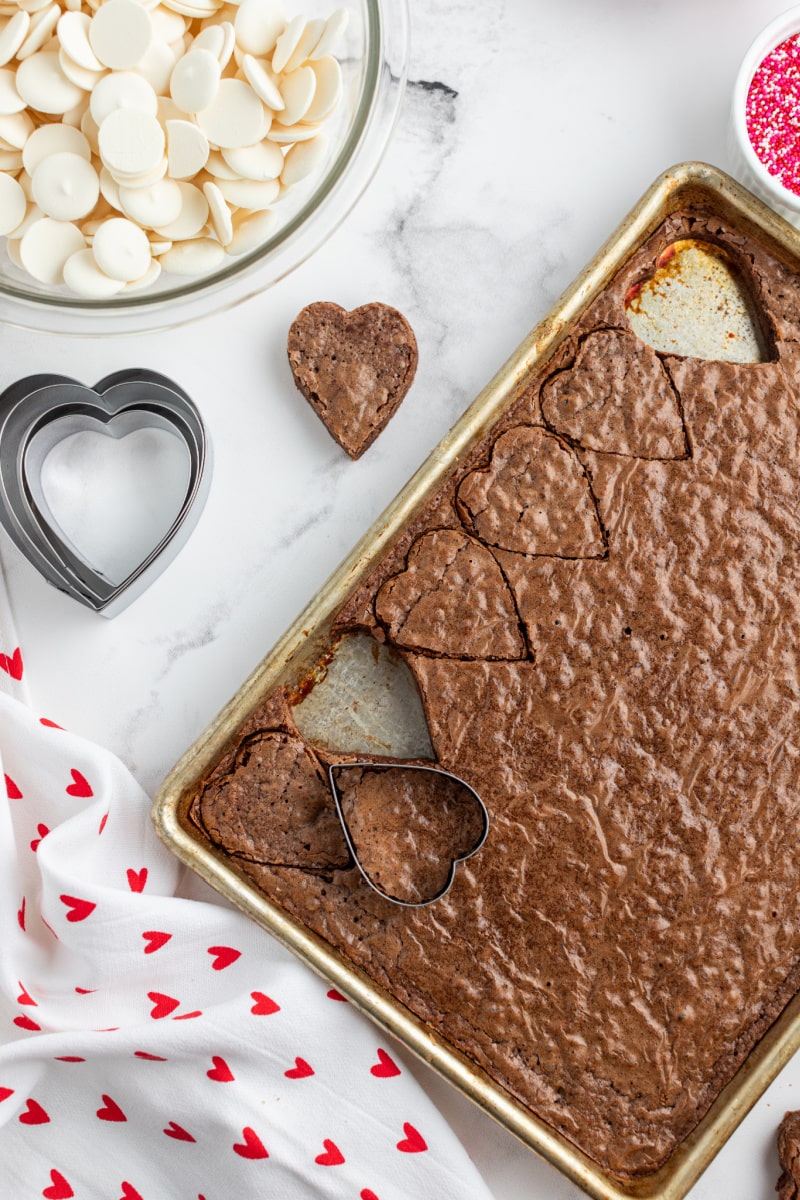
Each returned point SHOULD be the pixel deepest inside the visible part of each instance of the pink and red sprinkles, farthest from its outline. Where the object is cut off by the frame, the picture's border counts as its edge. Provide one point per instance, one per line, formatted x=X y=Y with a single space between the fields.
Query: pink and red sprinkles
x=773 y=113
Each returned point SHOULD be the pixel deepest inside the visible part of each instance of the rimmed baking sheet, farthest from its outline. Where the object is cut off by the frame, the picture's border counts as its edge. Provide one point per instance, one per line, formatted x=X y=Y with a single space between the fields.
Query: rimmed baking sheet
x=308 y=649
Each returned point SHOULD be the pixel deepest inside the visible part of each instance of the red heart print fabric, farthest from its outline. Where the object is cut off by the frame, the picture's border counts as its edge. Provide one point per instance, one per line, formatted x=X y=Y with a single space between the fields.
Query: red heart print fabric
x=155 y=1046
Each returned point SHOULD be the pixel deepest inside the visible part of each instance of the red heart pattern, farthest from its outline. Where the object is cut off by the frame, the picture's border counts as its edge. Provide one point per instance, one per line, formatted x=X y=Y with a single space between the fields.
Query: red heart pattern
x=220 y=1071
x=413 y=1142
x=300 y=1070
x=21 y=915
x=332 y=994
x=102 y=824
x=50 y=724
x=264 y=1005
x=223 y=956
x=5 y=1093
x=162 y=1005
x=367 y=1194
x=34 y=1114
x=24 y=996
x=149 y=1057
x=26 y=1022
x=129 y=1192
x=187 y=1016
x=137 y=879
x=155 y=940
x=80 y=786
x=110 y=1110
x=69 y=1058
x=12 y=789
x=331 y=1155
x=174 y=1130
x=385 y=1067
x=59 y=1188
x=12 y=664
x=251 y=1146
x=79 y=909
x=43 y=831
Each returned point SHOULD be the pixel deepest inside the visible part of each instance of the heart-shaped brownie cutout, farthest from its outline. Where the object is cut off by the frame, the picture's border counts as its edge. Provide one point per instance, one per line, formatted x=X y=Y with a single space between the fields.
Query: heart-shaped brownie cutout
x=452 y=599
x=533 y=498
x=616 y=397
x=354 y=368
x=274 y=807
x=698 y=305
x=408 y=826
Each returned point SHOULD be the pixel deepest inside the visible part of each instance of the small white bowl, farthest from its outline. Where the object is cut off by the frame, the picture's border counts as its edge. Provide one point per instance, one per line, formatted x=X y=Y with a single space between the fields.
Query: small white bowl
x=745 y=163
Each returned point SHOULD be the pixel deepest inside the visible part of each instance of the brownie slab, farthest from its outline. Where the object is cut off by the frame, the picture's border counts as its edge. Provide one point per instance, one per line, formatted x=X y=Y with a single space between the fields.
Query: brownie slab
x=601 y=610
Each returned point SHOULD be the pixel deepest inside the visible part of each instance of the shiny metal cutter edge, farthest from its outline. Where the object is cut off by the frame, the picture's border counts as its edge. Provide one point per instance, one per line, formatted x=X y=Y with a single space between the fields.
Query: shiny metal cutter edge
x=348 y=837
x=127 y=400
x=309 y=637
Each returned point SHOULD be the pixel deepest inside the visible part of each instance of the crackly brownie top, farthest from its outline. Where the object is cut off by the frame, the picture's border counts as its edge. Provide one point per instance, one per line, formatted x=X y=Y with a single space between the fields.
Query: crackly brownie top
x=354 y=368
x=601 y=609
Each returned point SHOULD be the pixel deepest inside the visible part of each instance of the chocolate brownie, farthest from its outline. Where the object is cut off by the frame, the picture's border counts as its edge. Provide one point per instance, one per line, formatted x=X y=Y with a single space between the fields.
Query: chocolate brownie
x=408 y=826
x=788 y=1186
x=354 y=368
x=601 y=611
x=273 y=799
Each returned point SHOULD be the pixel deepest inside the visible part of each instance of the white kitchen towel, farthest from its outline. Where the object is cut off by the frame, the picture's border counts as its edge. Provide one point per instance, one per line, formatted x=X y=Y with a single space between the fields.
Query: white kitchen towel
x=159 y=1048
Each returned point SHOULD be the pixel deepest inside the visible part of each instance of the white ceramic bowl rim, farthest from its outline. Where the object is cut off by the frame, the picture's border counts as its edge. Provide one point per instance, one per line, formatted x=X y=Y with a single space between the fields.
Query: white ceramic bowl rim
x=783 y=27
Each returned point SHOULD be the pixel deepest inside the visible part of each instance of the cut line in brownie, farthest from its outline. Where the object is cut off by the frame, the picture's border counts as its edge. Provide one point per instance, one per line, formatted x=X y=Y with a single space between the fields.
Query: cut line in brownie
x=616 y=397
x=451 y=600
x=274 y=806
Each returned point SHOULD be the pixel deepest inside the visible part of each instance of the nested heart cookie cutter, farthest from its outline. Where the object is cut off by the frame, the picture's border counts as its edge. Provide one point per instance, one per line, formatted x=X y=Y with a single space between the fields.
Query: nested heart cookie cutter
x=388 y=765
x=39 y=412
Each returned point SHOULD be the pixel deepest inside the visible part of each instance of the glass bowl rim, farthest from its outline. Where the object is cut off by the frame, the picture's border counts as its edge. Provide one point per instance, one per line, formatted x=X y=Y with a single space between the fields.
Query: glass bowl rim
x=18 y=304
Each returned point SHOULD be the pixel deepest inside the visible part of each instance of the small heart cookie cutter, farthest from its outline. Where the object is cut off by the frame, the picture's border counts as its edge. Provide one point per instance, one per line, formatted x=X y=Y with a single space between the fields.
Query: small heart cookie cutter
x=39 y=412
x=388 y=765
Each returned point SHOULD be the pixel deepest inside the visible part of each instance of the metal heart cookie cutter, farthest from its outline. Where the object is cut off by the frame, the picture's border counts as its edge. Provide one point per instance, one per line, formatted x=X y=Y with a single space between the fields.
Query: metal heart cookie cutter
x=453 y=855
x=41 y=411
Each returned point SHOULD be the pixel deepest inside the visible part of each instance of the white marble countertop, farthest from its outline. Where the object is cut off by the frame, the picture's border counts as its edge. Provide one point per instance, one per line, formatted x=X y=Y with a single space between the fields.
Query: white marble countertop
x=530 y=128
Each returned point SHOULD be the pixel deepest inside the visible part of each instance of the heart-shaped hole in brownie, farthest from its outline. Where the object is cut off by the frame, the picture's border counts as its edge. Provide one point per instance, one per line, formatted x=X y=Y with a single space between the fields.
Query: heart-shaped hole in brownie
x=697 y=304
x=408 y=826
x=362 y=699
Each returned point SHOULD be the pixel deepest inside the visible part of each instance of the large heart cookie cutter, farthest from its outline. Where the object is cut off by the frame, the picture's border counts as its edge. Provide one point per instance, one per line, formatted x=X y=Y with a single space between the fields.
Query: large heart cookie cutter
x=39 y=412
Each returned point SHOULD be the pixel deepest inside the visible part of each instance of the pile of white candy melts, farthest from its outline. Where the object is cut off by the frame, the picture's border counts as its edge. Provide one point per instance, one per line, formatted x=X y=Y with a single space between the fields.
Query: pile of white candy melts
x=137 y=137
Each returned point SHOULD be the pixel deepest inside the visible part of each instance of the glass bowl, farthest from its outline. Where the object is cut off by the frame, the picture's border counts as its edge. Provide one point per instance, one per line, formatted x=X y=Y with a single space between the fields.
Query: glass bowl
x=373 y=54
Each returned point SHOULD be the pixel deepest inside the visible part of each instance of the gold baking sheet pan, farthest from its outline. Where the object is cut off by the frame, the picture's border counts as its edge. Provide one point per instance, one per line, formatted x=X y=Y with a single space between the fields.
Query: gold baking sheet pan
x=396 y=729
